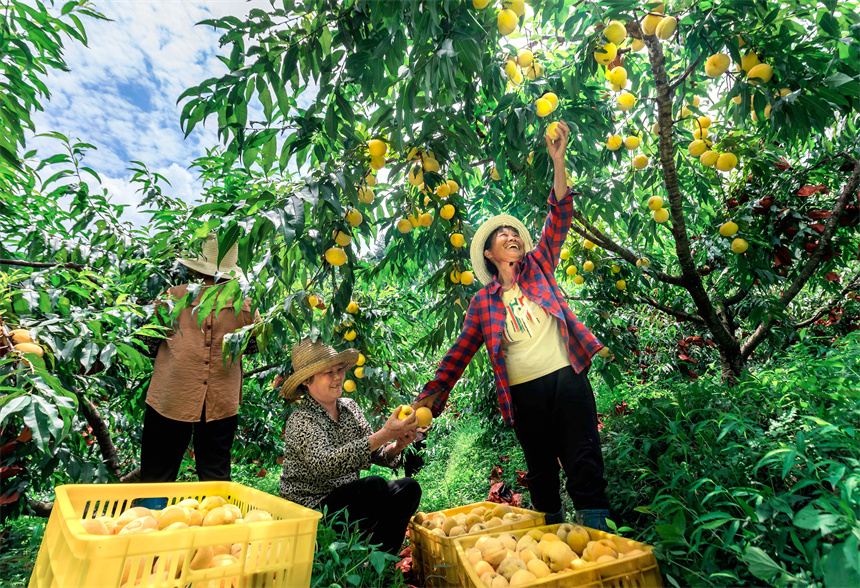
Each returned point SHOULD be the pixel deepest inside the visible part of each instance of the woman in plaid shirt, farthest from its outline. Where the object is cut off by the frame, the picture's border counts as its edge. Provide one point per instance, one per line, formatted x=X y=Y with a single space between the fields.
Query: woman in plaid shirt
x=540 y=355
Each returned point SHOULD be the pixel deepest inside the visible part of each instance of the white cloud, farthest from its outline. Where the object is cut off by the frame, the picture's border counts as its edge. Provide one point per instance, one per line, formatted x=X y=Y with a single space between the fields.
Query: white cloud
x=121 y=92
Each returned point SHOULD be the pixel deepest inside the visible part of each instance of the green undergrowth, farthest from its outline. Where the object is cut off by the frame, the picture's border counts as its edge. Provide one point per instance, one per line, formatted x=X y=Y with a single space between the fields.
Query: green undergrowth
x=750 y=485
x=460 y=456
x=343 y=558
x=758 y=484
x=20 y=541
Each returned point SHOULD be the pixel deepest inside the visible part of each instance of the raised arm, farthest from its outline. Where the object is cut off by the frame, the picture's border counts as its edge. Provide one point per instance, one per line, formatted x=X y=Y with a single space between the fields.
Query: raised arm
x=560 y=207
x=557 y=150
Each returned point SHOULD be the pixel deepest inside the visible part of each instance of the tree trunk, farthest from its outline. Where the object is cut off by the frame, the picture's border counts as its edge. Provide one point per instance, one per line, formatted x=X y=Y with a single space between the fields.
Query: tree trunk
x=714 y=319
x=731 y=366
x=43 y=509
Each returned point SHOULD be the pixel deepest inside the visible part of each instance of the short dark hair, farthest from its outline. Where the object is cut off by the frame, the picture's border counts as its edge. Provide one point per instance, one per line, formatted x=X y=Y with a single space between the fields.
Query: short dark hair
x=302 y=388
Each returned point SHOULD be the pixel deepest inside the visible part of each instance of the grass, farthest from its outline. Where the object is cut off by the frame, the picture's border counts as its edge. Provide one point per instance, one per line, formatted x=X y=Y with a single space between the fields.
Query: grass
x=20 y=538
x=460 y=456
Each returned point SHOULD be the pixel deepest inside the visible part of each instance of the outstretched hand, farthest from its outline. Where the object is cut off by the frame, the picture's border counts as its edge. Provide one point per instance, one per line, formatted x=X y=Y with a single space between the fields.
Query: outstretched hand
x=427 y=401
x=557 y=148
x=396 y=428
x=403 y=441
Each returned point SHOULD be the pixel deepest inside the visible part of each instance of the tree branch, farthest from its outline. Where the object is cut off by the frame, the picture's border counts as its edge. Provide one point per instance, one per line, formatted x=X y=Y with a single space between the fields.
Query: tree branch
x=741 y=294
x=678 y=314
x=484 y=161
x=131 y=477
x=39 y=507
x=853 y=284
x=814 y=261
x=677 y=81
x=262 y=369
x=23 y=263
x=43 y=509
x=594 y=234
x=100 y=432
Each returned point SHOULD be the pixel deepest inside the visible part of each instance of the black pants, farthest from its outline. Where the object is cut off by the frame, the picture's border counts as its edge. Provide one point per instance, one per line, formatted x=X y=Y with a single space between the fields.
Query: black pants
x=556 y=419
x=413 y=458
x=380 y=508
x=165 y=441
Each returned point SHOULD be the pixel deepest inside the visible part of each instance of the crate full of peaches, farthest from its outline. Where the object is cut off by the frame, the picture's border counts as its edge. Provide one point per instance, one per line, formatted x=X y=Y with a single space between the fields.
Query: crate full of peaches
x=555 y=556
x=212 y=534
x=433 y=536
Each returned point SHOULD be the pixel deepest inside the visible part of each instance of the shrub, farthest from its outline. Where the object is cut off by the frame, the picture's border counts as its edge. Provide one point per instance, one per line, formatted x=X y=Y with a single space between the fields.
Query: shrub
x=344 y=558
x=752 y=483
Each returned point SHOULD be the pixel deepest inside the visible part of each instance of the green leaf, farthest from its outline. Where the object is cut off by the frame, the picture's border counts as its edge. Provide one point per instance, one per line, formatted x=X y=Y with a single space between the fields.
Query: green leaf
x=227 y=241
x=13 y=403
x=814 y=520
x=378 y=560
x=760 y=564
x=39 y=425
x=829 y=24
x=107 y=354
x=671 y=533
x=837 y=79
x=89 y=353
x=842 y=565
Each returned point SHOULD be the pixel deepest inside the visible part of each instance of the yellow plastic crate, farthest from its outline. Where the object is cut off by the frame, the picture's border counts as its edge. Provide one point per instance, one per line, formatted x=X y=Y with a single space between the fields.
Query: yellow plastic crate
x=276 y=553
x=639 y=571
x=434 y=558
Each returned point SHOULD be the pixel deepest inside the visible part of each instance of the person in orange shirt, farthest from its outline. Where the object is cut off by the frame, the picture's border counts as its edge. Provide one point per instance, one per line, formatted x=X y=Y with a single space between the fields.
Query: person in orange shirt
x=192 y=392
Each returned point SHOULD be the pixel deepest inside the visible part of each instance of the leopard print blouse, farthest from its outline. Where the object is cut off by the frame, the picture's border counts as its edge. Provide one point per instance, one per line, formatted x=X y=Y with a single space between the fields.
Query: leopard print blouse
x=323 y=454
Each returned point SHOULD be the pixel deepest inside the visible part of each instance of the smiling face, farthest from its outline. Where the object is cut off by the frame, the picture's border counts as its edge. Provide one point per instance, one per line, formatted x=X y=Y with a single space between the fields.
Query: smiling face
x=327 y=386
x=506 y=246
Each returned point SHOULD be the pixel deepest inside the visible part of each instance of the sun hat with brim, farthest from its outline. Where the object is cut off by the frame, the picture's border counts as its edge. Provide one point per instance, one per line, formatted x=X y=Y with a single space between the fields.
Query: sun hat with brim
x=311 y=358
x=206 y=262
x=476 y=249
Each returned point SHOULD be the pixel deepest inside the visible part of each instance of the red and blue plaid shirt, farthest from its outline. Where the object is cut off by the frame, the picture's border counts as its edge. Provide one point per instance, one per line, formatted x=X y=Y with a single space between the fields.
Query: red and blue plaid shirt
x=485 y=318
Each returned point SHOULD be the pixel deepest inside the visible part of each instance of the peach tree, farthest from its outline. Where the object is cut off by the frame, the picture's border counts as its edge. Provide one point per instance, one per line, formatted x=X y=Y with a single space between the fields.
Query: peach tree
x=713 y=150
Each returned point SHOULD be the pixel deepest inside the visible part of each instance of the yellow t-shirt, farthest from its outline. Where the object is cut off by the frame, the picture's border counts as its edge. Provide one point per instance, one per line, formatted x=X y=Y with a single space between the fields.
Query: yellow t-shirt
x=532 y=341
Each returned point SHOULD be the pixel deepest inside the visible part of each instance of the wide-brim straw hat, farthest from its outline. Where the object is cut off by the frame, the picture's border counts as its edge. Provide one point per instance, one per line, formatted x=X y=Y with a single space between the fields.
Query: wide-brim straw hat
x=476 y=249
x=312 y=357
x=206 y=262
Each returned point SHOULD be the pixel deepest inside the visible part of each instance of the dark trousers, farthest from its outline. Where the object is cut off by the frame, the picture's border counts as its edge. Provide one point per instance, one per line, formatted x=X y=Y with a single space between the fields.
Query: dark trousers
x=165 y=441
x=556 y=419
x=413 y=458
x=380 y=508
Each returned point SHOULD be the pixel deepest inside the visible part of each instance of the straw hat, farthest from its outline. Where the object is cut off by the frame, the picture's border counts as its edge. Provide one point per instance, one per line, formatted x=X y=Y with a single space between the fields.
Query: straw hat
x=476 y=249
x=206 y=261
x=311 y=358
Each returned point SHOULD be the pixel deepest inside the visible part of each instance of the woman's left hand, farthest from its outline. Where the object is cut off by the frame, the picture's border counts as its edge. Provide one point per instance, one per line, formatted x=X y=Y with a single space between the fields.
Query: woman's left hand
x=557 y=148
x=404 y=440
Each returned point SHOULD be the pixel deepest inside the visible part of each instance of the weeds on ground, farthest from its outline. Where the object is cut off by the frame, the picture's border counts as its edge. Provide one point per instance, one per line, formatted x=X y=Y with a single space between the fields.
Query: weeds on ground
x=20 y=539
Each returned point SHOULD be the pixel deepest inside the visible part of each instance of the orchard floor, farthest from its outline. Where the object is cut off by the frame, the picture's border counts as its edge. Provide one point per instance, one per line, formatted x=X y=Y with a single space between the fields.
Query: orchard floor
x=754 y=485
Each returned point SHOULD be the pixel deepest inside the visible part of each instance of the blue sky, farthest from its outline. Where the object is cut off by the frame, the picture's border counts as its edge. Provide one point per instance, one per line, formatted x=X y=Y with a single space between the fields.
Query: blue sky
x=121 y=92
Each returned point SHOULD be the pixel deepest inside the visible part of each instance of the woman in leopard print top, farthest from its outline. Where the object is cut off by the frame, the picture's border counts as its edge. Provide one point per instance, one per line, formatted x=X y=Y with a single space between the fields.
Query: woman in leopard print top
x=329 y=441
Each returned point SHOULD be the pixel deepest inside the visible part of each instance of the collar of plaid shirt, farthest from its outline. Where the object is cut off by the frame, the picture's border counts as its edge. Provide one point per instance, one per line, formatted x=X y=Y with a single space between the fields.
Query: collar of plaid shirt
x=485 y=318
